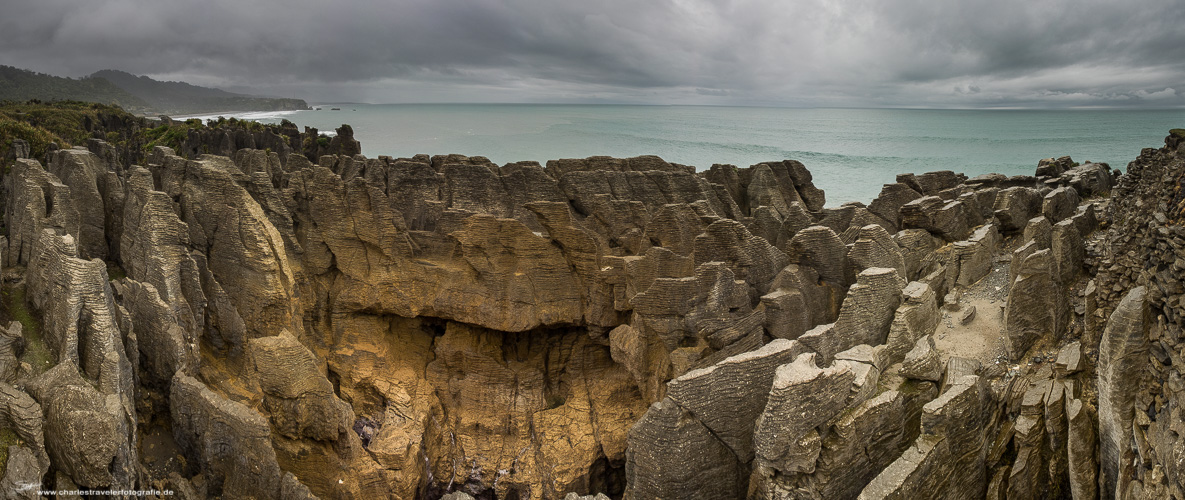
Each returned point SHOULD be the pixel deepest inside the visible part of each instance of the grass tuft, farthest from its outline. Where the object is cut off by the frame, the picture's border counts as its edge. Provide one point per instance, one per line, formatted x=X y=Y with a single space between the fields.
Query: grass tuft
x=36 y=352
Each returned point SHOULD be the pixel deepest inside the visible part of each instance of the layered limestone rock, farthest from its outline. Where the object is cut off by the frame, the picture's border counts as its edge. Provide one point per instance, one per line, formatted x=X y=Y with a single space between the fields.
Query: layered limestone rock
x=431 y=326
x=1122 y=353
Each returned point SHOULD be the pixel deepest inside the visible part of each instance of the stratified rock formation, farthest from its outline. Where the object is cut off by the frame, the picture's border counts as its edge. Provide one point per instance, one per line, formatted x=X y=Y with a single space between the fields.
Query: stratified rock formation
x=278 y=324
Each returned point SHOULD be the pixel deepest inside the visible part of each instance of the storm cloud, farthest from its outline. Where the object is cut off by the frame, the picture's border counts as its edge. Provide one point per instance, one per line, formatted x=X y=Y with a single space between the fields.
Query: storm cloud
x=976 y=53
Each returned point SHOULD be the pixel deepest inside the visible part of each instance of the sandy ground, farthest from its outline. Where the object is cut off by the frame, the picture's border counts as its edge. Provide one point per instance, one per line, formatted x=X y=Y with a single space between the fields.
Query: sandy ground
x=983 y=337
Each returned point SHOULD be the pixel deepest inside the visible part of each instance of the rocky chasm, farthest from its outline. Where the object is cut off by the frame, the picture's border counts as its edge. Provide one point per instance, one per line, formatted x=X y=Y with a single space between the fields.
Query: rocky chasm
x=267 y=325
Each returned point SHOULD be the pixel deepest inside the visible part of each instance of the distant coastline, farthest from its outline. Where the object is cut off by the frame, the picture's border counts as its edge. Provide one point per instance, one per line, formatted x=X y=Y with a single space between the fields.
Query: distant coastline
x=138 y=95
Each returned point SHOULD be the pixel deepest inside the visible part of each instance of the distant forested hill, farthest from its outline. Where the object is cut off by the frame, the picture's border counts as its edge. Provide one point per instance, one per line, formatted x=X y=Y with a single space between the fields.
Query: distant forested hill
x=22 y=85
x=136 y=94
x=180 y=97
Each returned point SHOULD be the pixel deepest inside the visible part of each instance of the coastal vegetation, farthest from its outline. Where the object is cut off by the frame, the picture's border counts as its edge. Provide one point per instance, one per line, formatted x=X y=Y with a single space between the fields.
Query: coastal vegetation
x=64 y=123
x=21 y=85
x=136 y=94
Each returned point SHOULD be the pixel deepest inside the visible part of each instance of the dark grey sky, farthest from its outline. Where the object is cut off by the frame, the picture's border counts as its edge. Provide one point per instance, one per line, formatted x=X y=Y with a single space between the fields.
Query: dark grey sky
x=975 y=53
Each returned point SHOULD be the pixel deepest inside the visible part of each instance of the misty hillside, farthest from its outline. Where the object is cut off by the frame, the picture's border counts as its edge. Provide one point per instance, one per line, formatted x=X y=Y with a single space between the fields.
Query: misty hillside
x=22 y=85
x=136 y=94
x=181 y=97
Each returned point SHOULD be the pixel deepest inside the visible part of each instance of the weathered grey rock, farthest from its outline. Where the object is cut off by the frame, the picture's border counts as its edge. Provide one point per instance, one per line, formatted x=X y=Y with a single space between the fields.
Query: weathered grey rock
x=459 y=495
x=299 y=398
x=892 y=197
x=12 y=345
x=946 y=219
x=229 y=442
x=906 y=477
x=971 y=260
x=1069 y=360
x=1038 y=230
x=875 y=248
x=931 y=183
x=917 y=317
x=154 y=249
x=869 y=355
x=751 y=258
x=165 y=345
x=985 y=199
x=1015 y=206
x=818 y=247
x=868 y=310
x=958 y=367
x=765 y=190
x=786 y=315
x=862 y=442
x=861 y=218
x=97 y=197
x=245 y=251
x=1029 y=478
x=917 y=249
x=1082 y=465
x=728 y=397
x=35 y=200
x=1059 y=204
x=24 y=417
x=967 y=315
x=839 y=219
x=1068 y=251
x=81 y=324
x=1085 y=220
x=1036 y=306
x=1123 y=353
x=82 y=438
x=675 y=227
x=960 y=415
x=1089 y=179
x=576 y=496
x=1053 y=167
x=1018 y=259
x=803 y=397
x=793 y=176
x=20 y=149
x=822 y=299
x=923 y=362
x=672 y=455
x=23 y=473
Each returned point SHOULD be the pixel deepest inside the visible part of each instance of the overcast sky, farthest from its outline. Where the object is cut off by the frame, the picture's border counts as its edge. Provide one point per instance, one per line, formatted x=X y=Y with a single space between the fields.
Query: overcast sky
x=918 y=53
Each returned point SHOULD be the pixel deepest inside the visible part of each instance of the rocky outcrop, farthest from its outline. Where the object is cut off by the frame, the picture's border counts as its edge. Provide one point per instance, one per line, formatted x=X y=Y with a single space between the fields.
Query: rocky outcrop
x=430 y=326
x=230 y=442
x=1122 y=353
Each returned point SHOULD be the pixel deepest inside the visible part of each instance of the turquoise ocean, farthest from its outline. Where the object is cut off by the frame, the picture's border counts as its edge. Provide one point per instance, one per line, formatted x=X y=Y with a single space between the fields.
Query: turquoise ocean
x=850 y=152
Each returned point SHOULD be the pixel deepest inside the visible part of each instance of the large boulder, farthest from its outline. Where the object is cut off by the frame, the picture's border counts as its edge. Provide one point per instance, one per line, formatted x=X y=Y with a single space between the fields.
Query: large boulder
x=803 y=396
x=1037 y=307
x=673 y=455
x=729 y=396
x=892 y=197
x=1015 y=206
x=229 y=442
x=300 y=400
x=82 y=438
x=946 y=219
x=868 y=310
x=818 y=247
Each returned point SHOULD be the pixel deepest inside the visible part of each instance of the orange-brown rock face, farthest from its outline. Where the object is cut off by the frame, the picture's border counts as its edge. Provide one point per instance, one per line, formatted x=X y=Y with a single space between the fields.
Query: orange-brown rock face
x=406 y=328
x=368 y=328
